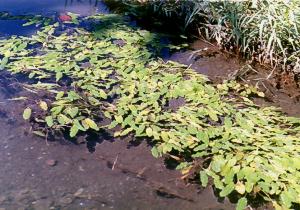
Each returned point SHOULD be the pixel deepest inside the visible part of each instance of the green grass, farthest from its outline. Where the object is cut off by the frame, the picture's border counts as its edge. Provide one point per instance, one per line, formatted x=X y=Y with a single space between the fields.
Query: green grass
x=264 y=30
x=218 y=133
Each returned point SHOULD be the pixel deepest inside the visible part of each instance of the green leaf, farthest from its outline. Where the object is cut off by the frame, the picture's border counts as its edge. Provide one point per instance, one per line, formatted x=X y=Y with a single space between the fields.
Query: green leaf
x=43 y=105
x=286 y=199
x=39 y=133
x=213 y=115
x=78 y=125
x=22 y=46
x=57 y=110
x=63 y=119
x=58 y=76
x=227 y=189
x=73 y=131
x=126 y=131
x=119 y=119
x=27 y=113
x=140 y=130
x=102 y=94
x=91 y=124
x=59 y=95
x=203 y=178
x=155 y=152
x=240 y=188
x=49 y=121
x=241 y=204
x=217 y=164
x=165 y=136
x=3 y=62
x=72 y=111
x=149 y=132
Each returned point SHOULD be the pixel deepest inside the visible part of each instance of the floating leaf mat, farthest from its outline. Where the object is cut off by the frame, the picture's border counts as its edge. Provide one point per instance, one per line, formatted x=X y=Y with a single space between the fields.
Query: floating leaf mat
x=112 y=71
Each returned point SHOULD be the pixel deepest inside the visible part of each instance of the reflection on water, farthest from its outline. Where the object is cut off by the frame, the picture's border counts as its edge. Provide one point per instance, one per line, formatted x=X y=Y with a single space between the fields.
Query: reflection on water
x=46 y=8
x=15 y=27
x=82 y=7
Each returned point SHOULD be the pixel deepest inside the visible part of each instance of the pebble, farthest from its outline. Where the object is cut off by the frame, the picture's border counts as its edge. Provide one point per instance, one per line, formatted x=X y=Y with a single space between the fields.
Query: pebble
x=51 y=162
x=42 y=204
x=66 y=200
x=78 y=192
x=21 y=195
x=11 y=137
x=2 y=199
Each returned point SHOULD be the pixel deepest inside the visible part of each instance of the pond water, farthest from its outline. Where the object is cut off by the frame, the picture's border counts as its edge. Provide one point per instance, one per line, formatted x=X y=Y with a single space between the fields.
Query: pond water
x=50 y=7
x=36 y=174
x=46 y=8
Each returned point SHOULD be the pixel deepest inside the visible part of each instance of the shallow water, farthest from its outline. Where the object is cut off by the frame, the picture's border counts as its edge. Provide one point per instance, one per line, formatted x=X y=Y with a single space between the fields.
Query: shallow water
x=49 y=7
x=103 y=174
x=45 y=8
x=36 y=174
x=14 y=27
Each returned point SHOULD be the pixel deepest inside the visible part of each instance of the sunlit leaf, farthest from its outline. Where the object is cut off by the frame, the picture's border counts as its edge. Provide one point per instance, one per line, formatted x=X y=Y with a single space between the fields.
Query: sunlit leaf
x=27 y=113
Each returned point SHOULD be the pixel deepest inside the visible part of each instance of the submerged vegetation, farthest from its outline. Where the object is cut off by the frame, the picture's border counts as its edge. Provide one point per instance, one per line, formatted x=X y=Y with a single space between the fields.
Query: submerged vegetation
x=112 y=72
x=263 y=30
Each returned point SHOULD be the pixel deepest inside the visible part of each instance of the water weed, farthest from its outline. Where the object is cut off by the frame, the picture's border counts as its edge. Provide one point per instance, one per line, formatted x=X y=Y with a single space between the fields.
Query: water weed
x=113 y=72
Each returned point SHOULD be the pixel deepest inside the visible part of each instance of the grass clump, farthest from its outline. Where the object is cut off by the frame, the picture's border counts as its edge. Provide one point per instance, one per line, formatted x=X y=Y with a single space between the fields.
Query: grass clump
x=113 y=72
x=263 y=30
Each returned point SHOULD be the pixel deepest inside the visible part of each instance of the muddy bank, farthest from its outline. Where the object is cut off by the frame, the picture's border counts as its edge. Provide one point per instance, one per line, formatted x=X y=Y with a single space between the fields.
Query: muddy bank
x=281 y=89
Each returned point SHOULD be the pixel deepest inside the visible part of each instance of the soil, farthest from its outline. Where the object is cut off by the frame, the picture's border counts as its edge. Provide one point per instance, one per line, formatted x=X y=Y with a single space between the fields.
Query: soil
x=281 y=90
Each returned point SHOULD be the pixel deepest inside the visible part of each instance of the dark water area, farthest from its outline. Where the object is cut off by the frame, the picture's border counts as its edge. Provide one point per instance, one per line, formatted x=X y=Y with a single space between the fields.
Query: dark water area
x=15 y=27
x=49 y=8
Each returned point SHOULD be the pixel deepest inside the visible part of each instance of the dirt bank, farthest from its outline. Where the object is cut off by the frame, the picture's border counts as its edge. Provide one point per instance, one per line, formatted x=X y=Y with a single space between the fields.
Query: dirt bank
x=205 y=58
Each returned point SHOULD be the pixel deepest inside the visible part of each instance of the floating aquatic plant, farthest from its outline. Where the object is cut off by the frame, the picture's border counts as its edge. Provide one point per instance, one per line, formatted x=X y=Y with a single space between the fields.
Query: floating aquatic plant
x=113 y=72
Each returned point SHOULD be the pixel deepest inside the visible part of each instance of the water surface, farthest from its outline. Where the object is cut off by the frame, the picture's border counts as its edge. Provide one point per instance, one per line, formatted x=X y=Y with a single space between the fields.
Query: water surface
x=51 y=8
x=82 y=7
x=79 y=179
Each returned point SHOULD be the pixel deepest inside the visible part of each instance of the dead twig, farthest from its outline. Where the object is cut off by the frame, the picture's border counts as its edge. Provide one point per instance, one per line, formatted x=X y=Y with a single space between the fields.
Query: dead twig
x=114 y=164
